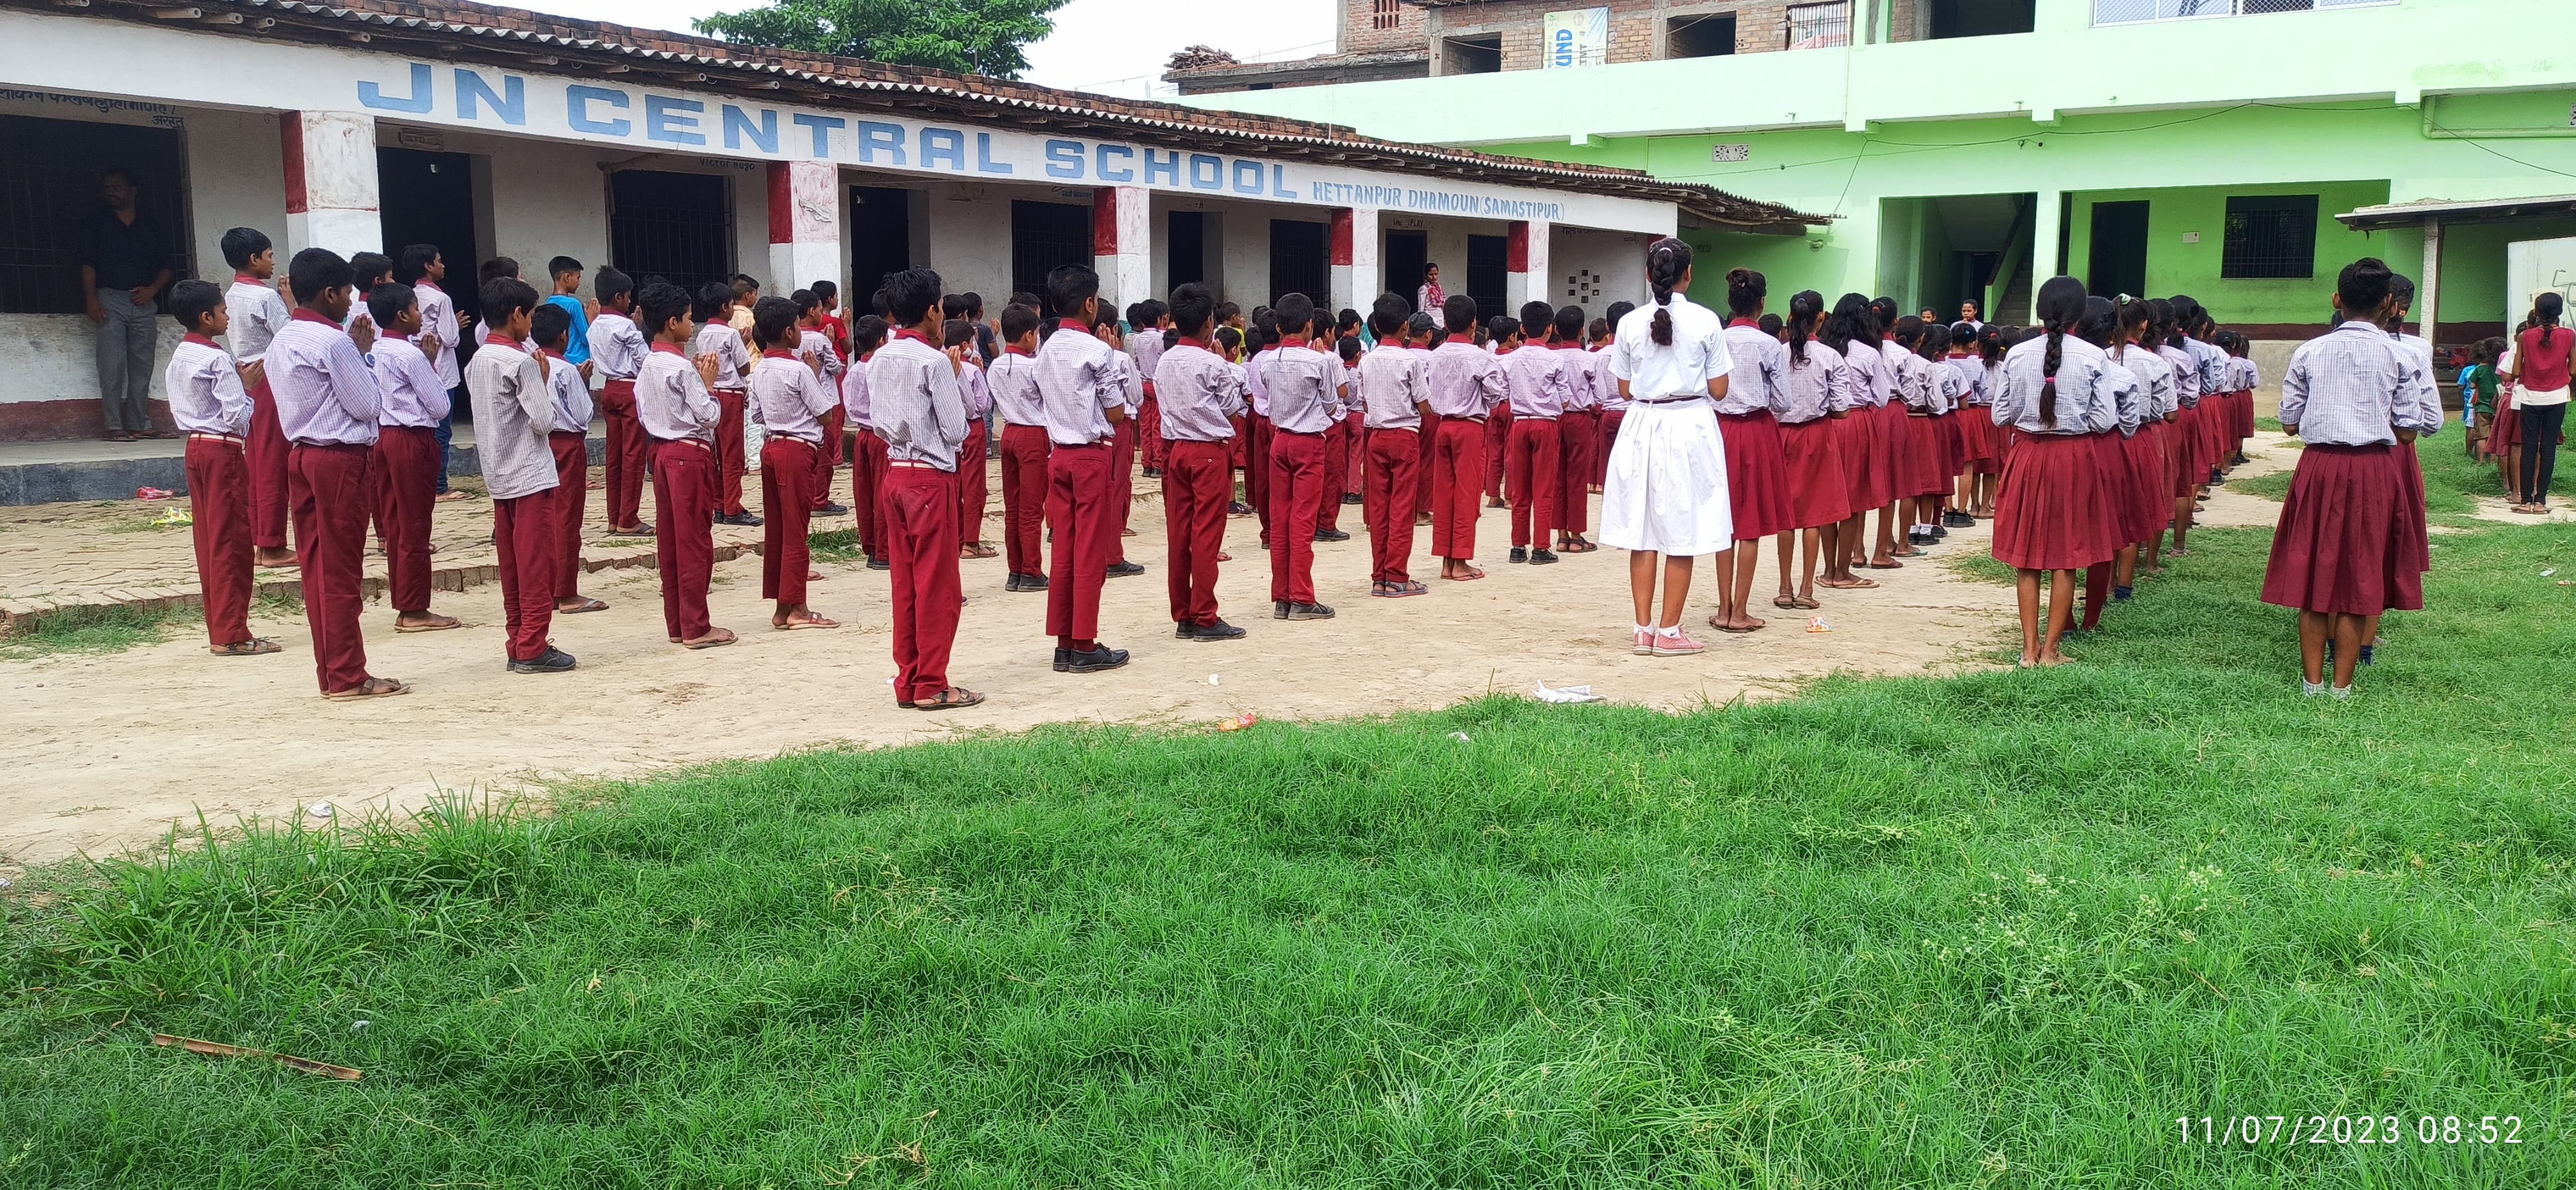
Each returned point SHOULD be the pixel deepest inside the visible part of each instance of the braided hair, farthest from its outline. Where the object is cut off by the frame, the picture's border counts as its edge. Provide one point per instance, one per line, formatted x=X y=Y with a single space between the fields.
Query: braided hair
x=2061 y=306
x=2546 y=312
x=1805 y=311
x=1668 y=260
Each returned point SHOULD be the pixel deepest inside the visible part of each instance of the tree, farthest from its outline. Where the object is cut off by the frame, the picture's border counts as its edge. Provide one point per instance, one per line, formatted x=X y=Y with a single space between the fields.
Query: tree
x=968 y=36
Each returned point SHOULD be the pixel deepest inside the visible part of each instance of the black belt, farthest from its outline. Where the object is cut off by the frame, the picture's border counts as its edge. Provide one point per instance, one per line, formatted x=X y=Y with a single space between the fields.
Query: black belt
x=1666 y=400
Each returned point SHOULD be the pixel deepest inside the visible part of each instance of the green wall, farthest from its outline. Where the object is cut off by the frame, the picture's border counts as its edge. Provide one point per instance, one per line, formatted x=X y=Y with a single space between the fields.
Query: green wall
x=2174 y=266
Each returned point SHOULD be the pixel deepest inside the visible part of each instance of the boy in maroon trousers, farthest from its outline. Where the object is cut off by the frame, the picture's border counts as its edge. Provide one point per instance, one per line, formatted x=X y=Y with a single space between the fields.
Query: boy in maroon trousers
x=912 y=389
x=327 y=407
x=1080 y=382
x=210 y=406
x=1200 y=395
x=568 y=388
x=1578 y=432
x=514 y=420
x=1013 y=379
x=792 y=399
x=1306 y=388
x=680 y=416
x=404 y=466
x=1395 y=390
x=617 y=350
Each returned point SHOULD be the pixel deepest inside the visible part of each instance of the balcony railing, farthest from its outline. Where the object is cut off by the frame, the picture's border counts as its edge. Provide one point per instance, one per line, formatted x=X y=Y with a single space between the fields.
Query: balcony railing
x=2127 y=12
x=1817 y=26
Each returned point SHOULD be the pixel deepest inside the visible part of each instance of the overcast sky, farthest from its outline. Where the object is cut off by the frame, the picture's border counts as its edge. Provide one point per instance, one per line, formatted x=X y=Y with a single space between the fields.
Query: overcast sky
x=1116 y=47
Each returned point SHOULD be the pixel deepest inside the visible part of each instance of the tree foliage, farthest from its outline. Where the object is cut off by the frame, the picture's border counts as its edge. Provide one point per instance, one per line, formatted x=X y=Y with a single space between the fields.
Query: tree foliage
x=969 y=36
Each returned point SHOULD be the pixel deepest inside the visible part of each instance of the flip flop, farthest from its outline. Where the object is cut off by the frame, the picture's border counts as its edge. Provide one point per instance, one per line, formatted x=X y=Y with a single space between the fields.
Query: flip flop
x=371 y=688
x=1890 y=564
x=257 y=646
x=1858 y=584
x=586 y=605
x=798 y=624
x=711 y=641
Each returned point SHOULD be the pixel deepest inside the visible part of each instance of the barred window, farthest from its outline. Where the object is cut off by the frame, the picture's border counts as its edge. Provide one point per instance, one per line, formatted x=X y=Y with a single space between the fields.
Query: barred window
x=1385 y=14
x=2271 y=236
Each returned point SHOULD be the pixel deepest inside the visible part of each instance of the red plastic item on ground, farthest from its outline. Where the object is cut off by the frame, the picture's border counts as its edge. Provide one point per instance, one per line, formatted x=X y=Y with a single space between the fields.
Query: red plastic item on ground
x=152 y=494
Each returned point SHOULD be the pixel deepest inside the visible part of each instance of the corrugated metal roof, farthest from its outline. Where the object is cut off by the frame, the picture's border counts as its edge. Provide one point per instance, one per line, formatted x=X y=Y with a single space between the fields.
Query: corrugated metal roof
x=458 y=30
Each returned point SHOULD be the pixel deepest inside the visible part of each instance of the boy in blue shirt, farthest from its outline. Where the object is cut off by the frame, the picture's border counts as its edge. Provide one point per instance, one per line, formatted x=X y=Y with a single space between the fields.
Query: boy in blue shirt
x=567 y=274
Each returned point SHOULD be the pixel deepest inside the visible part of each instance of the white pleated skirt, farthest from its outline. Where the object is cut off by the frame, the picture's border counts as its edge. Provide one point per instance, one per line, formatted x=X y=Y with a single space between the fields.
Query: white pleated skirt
x=1666 y=491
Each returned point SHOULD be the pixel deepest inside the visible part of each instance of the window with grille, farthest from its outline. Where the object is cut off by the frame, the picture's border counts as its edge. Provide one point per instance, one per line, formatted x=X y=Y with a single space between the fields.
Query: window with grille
x=2121 y=12
x=50 y=199
x=675 y=226
x=2271 y=236
x=1385 y=14
x=1817 y=26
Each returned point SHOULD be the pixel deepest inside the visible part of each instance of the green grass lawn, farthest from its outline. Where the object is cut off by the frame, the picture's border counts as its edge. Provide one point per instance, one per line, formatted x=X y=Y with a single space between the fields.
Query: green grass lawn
x=2003 y=929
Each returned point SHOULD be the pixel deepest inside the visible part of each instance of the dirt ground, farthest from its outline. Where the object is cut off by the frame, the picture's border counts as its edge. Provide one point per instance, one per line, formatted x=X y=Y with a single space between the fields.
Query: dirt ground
x=106 y=752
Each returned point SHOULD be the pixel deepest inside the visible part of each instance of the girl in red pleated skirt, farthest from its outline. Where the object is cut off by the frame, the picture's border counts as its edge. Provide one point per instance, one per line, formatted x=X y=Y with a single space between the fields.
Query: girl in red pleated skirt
x=1820 y=494
x=2052 y=511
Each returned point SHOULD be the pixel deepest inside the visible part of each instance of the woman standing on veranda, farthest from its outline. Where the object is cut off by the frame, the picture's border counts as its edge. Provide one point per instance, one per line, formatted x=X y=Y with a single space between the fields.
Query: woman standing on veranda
x=1430 y=299
x=1666 y=491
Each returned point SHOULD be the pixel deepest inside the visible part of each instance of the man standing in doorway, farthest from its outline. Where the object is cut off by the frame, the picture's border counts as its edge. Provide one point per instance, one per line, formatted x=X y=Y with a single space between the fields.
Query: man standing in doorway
x=124 y=268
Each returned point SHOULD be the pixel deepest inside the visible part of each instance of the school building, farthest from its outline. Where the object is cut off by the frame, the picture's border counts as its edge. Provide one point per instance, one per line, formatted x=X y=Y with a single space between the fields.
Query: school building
x=2240 y=151
x=371 y=124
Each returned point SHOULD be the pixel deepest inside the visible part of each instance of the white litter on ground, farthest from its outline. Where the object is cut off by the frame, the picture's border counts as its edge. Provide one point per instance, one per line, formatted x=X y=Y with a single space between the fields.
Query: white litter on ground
x=1564 y=694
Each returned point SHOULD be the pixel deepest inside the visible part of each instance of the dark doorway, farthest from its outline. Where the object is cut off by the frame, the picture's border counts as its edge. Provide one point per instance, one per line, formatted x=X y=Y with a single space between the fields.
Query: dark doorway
x=1298 y=262
x=428 y=198
x=678 y=227
x=1489 y=270
x=1185 y=248
x=2119 y=263
x=880 y=239
x=1405 y=254
x=49 y=199
x=1046 y=236
x=1980 y=18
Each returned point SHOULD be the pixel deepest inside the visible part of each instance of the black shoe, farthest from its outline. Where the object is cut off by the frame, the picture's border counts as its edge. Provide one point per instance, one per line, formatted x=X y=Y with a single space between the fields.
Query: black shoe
x=552 y=661
x=1216 y=631
x=1939 y=532
x=1331 y=535
x=2122 y=594
x=741 y=519
x=1542 y=557
x=1151 y=473
x=1306 y=611
x=1125 y=569
x=1958 y=520
x=1238 y=508
x=831 y=509
x=879 y=562
x=1033 y=582
x=1520 y=553
x=1063 y=660
x=1279 y=609
x=1101 y=657
x=1350 y=497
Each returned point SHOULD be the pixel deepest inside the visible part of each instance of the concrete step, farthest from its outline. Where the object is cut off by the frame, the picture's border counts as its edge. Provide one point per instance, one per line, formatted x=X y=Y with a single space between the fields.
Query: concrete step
x=59 y=472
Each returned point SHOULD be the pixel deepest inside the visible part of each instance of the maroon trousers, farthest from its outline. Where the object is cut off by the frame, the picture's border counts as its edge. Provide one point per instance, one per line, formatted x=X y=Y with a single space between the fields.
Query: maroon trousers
x=684 y=543
x=1530 y=475
x=786 y=508
x=219 y=520
x=264 y=455
x=524 y=532
x=1122 y=485
x=1457 y=482
x=974 y=484
x=921 y=525
x=827 y=458
x=572 y=499
x=1085 y=527
x=1498 y=438
x=405 y=471
x=1430 y=441
x=1296 y=494
x=1578 y=436
x=327 y=489
x=1024 y=496
x=1338 y=440
x=1610 y=419
x=1150 y=445
x=1355 y=470
x=867 y=506
x=729 y=445
x=628 y=449
x=1198 y=484
x=1394 y=457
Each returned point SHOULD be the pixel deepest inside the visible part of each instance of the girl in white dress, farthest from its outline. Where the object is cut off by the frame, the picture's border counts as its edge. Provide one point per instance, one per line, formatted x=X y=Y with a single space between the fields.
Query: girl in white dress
x=1666 y=489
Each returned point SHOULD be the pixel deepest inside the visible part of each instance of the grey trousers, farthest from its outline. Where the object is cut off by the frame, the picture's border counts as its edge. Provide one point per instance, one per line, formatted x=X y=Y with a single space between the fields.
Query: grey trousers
x=126 y=343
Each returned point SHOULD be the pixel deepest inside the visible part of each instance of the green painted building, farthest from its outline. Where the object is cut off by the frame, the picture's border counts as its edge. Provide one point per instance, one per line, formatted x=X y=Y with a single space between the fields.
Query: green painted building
x=2148 y=146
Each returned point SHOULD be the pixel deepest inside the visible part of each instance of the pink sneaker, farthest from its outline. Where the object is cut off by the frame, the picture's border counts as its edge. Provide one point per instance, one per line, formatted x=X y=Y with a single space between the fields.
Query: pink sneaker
x=1680 y=645
x=1645 y=642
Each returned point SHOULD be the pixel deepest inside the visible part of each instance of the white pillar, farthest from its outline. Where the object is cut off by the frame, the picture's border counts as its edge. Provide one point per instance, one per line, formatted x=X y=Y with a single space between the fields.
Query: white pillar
x=804 y=225
x=2428 y=288
x=1356 y=280
x=1122 y=245
x=331 y=182
x=2045 y=224
x=1528 y=260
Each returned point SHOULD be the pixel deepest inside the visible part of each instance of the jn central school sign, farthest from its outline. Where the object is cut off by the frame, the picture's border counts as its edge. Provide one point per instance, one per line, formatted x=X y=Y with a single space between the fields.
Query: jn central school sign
x=589 y=111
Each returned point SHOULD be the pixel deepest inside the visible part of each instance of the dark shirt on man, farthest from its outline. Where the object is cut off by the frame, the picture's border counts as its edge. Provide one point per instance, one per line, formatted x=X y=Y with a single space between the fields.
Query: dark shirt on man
x=124 y=254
